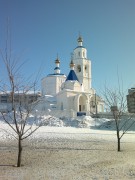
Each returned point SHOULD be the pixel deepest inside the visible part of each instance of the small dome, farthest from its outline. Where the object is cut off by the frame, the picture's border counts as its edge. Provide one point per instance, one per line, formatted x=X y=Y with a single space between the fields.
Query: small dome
x=72 y=64
x=57 y=61
x=56 y=68
x=80 y=39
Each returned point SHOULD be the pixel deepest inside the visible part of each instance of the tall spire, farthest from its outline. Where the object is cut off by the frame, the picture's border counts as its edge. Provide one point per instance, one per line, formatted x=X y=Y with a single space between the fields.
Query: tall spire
x=72 y=65
x=57 y=69
x=80 y=40
x=57 y=61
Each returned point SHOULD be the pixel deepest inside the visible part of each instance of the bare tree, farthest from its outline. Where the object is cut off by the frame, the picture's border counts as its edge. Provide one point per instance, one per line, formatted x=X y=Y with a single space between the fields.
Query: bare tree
x=116 y=101
x=17 y=90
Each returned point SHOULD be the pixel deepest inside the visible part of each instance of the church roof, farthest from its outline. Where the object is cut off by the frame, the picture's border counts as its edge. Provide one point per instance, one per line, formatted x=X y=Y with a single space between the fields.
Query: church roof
x=56 y=74
x=79 y=47
x=56 y=68
x=72 y=76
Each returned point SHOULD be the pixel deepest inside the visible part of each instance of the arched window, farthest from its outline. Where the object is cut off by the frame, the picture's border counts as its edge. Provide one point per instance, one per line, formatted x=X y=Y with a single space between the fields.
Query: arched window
x=82 y=103
x=61 y=105
x=83 y=54
x=78 y=68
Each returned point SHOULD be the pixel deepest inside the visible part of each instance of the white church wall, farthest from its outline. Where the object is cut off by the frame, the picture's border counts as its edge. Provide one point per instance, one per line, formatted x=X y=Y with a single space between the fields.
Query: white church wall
x=80 y=53
x=72 y=85
x=79 y=69
x=87 y=74
x=52 y=84
x=59 y=81
x=65 y=100
x=49 y=85
x=83 y=72
x=100 y=107
x=77 y=87
x=61 y=101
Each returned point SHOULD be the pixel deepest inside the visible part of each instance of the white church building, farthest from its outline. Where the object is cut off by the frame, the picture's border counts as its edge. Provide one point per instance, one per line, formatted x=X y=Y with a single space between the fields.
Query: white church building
x=71 y=95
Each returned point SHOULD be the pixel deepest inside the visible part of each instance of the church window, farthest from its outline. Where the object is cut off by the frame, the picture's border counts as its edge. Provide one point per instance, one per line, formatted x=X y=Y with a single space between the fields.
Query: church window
x=62 y=106
x=79 y=107
x=78 y=68
x=79 y=53
x=83 y=54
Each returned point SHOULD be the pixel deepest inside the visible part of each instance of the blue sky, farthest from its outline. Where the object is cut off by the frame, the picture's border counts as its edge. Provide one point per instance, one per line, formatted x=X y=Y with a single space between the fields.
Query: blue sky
x=42 y=28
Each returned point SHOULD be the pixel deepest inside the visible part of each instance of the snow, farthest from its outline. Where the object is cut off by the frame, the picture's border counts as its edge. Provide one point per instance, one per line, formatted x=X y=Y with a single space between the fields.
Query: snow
x=69 y=148
x=80 y=128
x=50 y=98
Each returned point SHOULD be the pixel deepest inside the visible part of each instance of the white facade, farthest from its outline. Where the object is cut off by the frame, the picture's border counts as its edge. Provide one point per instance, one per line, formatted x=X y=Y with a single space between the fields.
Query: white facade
x=74 y=93
x=51 y=84
x=82 y=65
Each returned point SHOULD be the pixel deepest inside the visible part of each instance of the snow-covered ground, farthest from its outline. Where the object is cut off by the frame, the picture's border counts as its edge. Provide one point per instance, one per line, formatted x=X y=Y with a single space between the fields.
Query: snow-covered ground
x=69 y=149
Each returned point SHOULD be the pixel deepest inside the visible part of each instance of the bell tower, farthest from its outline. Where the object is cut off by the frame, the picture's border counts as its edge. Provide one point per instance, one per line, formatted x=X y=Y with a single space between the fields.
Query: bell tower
x=82 y=65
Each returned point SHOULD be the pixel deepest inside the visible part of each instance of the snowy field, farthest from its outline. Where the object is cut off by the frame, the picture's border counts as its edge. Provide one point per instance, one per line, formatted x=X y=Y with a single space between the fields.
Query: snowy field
x=69 y=153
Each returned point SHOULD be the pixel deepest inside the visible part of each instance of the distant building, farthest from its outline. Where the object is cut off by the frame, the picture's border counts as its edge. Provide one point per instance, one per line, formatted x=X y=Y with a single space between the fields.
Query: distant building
x=131 y=100
x=23 y=98
x=73 y=94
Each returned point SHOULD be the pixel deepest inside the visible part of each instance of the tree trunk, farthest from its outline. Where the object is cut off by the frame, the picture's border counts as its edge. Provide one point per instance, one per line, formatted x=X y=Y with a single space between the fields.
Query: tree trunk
x=118 y=140
x=19 y=152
